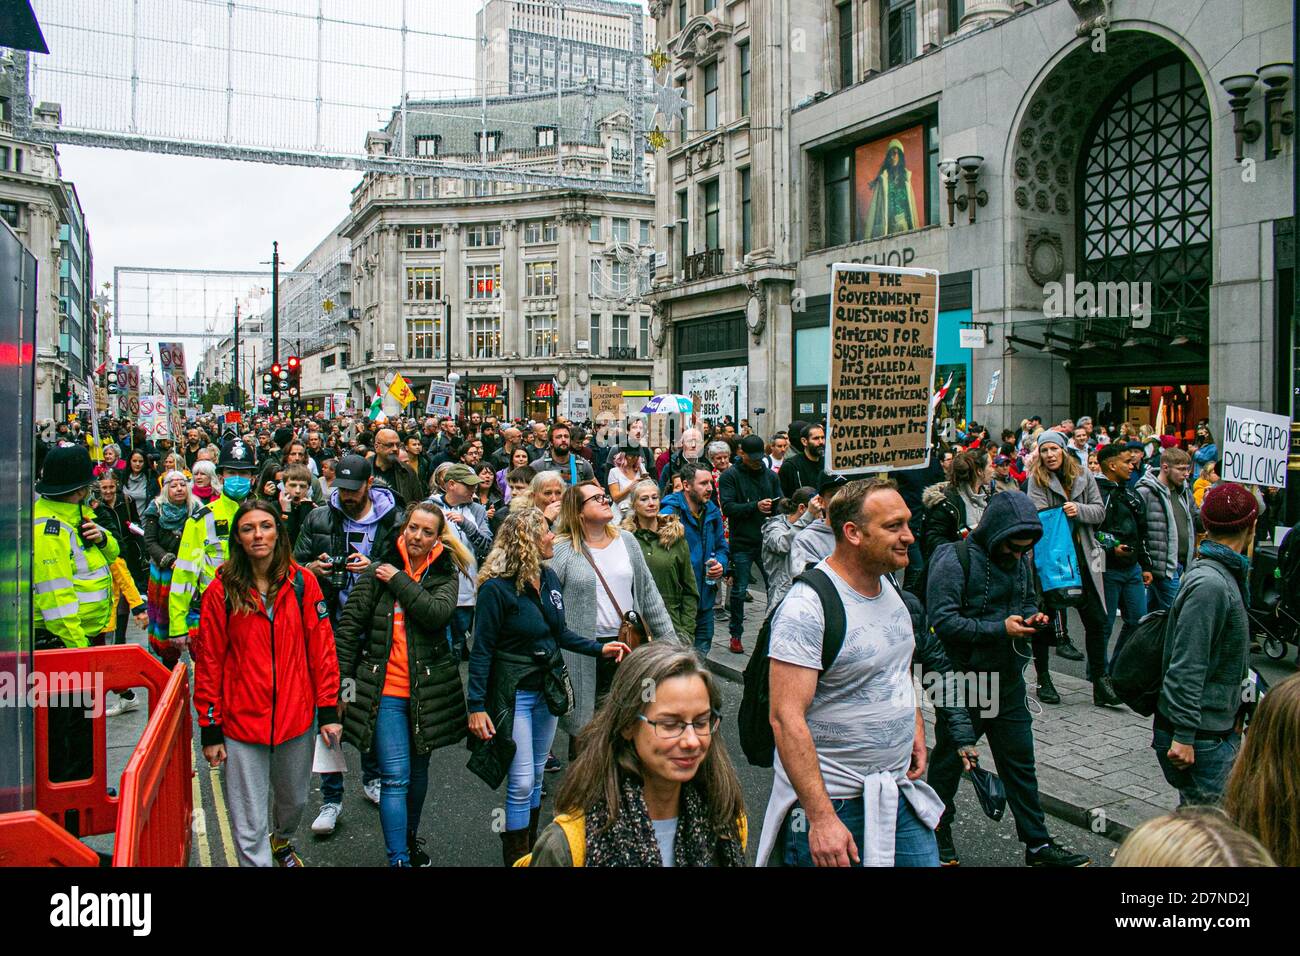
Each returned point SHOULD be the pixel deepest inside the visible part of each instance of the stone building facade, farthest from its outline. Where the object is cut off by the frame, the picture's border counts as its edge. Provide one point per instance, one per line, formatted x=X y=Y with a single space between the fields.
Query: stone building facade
x=1122 y=254
x=512 y=288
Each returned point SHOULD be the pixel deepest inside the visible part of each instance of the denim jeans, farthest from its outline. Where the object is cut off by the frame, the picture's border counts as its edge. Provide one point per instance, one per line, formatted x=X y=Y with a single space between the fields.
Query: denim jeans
x=404 y=775
x=1204 y=780
x=742 y=565
x=458 y=629
x=914 y=842
x=533 y=734
x=1011 y=740
x=1162 y=591
x=1124 y=591
x=704 y=622
x=331 y=784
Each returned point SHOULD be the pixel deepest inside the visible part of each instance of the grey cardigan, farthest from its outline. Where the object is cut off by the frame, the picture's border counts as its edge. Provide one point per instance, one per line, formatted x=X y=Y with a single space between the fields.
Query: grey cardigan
x=580 y=589
x=1092 y=512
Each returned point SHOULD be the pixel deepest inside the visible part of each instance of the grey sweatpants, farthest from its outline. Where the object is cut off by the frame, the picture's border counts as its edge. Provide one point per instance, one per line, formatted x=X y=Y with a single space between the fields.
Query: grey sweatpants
x=256 y=777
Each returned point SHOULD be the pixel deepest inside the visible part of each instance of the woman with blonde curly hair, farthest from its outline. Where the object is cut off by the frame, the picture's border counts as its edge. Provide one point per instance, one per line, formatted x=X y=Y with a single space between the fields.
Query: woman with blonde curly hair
x=518 y=685
x=663 y=543
x=1263 y=792
x=1191 y=836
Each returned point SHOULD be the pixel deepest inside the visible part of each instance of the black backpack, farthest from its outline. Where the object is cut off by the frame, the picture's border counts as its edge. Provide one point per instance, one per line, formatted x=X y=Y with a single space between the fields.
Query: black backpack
x=1137 y=670
x=756 y=737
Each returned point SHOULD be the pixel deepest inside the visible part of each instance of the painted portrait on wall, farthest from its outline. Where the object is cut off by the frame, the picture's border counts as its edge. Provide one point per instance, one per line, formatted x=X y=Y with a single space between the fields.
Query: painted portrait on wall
x=890 y=184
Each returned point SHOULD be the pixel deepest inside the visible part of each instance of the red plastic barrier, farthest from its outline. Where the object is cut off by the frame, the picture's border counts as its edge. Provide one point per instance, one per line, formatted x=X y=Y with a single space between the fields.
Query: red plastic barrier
x=122 y=666
x=30 y=838
x=157 y=796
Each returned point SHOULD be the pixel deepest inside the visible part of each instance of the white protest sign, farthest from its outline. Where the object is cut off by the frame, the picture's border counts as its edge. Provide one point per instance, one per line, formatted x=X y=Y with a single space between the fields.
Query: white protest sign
x=1255 y=447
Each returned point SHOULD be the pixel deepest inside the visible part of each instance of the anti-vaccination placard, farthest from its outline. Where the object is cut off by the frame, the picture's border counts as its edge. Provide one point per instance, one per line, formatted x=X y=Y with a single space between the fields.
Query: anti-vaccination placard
x=884 y=322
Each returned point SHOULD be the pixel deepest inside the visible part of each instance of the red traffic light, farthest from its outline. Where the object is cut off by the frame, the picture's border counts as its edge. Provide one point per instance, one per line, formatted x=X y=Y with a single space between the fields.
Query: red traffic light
x=293 y=363
x=275 y=369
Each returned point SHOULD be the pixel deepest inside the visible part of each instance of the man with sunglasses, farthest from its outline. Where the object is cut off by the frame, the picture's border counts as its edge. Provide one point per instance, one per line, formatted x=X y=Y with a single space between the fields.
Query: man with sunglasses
x=982 y=601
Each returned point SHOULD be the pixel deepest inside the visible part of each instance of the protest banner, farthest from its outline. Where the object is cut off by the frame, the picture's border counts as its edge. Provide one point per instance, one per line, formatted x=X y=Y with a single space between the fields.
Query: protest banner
x=883 y=326
x=1255 y=447
x=606 y=402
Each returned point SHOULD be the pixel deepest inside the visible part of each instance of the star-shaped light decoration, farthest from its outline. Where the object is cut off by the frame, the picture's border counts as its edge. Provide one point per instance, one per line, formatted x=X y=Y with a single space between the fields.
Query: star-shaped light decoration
x=670 y=102
x=658 y=60
x=656 y=138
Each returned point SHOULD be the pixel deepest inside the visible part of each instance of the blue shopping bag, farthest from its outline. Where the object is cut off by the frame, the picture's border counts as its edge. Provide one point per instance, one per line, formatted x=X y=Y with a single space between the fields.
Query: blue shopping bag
x=1057 y=562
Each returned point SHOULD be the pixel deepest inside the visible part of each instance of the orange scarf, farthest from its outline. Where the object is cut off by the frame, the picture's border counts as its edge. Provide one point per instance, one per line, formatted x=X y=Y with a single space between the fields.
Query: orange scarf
x=397 y=678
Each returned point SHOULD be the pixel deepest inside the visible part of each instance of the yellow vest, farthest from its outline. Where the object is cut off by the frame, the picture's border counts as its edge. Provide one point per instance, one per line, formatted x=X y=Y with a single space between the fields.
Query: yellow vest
x=202 y=550
x=71 y=579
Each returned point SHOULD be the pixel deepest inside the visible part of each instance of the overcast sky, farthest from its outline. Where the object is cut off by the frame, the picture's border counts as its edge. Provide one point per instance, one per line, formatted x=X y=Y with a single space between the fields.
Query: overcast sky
x=152 y=210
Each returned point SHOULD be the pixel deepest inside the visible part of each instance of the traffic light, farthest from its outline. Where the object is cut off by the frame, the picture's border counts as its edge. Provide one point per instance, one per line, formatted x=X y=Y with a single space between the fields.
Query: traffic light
x=294 y=381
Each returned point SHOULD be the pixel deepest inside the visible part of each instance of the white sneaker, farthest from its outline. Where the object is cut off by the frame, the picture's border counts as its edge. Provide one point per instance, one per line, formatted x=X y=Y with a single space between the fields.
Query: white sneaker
x=327 y=819
x=372 y=791
x=122 y=706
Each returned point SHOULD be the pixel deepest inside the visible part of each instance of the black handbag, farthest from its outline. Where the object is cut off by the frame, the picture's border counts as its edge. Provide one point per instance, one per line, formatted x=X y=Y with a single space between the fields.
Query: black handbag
x=557 y=687
x=490 y=759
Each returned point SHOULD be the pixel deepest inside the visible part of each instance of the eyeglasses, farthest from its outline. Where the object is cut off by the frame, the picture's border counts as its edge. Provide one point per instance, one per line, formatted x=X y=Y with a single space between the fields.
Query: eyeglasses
x=672 y=729
x=603 y=499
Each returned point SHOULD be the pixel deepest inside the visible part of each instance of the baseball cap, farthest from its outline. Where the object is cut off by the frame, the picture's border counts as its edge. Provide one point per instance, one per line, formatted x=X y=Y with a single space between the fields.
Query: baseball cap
x=752 y=446
x=828 y=482
x=351 y=473
x=462 y=473
x=1001 y=460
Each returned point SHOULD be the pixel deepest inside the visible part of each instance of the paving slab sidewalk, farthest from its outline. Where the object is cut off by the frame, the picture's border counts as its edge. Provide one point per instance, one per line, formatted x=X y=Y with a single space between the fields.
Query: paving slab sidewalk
x=1095 y=765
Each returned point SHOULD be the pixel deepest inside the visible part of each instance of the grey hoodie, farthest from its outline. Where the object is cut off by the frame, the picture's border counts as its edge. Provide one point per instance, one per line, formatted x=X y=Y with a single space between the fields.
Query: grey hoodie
x=814 y=543
x=778 y=542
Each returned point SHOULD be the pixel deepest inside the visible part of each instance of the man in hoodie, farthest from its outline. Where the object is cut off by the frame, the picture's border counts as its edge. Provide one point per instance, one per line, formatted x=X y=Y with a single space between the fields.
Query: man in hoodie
x=816 y=542
x=1172 y=522
x=749 y=493
x=336 y=544
x=710 y=554
x=1197 y=725
x=1122 y=534
x=986 y=619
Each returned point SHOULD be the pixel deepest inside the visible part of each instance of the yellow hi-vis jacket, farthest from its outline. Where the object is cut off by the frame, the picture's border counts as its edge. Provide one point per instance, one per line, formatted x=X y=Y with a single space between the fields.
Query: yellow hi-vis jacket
x=71 y=581
x=202 y=550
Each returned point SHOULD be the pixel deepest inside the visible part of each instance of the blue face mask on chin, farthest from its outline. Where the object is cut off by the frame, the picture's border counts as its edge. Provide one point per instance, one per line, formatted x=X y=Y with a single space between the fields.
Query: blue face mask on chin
x=236 y=487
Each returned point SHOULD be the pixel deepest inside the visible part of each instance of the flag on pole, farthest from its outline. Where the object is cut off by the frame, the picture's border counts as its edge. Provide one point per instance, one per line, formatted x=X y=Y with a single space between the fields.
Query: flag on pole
x=377 y=407
x=939 y=395
x=401 y=391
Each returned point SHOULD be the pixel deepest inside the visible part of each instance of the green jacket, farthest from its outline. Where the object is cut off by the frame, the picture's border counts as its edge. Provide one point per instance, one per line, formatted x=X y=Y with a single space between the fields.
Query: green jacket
x=675 y=577
x=71 y=581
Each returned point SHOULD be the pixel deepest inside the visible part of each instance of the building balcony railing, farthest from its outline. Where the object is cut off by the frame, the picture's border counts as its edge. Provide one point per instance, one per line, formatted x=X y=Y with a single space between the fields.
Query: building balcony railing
x=703 y=265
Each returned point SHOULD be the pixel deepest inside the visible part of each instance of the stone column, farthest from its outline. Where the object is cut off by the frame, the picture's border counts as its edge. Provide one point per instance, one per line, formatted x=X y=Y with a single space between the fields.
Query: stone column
x=512 y=281
x=453 y=278
x=391 y=295
x=980 y=12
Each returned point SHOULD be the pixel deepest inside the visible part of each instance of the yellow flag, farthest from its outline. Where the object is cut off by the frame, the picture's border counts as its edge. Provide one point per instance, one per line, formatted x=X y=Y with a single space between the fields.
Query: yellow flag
x=401 y=391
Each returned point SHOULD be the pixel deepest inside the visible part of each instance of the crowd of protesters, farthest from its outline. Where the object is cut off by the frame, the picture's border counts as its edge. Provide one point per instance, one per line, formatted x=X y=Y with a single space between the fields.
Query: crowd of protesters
x=405 y=585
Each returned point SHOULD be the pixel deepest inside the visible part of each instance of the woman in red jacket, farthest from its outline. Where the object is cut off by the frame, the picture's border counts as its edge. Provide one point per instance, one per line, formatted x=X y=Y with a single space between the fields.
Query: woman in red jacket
x=265 y=671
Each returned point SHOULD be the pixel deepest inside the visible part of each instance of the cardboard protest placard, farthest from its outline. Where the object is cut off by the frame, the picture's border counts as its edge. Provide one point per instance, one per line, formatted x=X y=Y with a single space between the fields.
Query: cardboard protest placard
x=1255 y=447
x=883 y=326
x=606 y=401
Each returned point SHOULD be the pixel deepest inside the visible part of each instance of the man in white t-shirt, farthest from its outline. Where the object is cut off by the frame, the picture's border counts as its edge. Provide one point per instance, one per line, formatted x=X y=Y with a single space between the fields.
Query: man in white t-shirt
x=850 y=742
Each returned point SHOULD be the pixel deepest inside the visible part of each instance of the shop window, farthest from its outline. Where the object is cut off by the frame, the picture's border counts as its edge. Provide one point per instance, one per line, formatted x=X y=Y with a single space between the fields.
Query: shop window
x=423 y=339
x=543 y=335
x=539 y=279
x=883 y=187
x=483 y=282
x=484 y=336
x=423 y=283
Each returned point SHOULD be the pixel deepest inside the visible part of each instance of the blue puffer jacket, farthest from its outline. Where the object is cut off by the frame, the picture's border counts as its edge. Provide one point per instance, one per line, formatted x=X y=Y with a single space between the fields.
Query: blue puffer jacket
x=704 y=535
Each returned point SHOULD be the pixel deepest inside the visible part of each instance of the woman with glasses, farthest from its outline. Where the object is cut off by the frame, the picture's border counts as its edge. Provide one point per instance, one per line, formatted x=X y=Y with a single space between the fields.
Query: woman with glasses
x=605 y=579
x=652 y=785
x=663 y=544
x=517 y=686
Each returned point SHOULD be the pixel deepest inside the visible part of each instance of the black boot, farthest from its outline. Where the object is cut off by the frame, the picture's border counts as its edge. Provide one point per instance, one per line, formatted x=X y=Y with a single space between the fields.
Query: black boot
x=1067 y=649
x=533 y=816
x=1103 y=693
x=1047 y=690
x=514 y=844
x=415 y=850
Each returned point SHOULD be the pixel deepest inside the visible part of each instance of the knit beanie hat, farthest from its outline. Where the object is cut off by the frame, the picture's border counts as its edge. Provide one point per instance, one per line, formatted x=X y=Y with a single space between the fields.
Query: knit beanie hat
x=1168 y=441
x=1228 y=508
x=282 y=437
x=1051 y=438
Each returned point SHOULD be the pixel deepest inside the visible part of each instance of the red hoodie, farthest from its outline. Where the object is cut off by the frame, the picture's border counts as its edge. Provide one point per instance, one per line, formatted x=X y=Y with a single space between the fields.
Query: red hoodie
x=263 y=681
